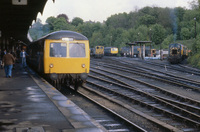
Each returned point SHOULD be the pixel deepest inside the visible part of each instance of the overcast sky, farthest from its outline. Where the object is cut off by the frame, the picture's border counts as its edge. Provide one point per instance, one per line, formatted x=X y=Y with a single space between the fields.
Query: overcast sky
x=100 y=10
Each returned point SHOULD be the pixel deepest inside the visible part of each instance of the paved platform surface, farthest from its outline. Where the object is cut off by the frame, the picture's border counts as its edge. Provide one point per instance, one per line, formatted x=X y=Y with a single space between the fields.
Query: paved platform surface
x=30 y=104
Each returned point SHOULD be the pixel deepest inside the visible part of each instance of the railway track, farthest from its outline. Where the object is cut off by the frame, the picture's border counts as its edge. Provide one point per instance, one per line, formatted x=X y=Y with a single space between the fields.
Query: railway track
x=155 y=90
x=189 y=68
x=125 y=112
x=87 y=91
x=156 y=75
x=179 y=67
x=156 y=110
x=106 y=117
x=168 y=99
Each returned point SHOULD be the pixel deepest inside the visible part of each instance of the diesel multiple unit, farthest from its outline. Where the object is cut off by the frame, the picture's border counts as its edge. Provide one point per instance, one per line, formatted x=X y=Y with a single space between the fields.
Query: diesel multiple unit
x=62 y=57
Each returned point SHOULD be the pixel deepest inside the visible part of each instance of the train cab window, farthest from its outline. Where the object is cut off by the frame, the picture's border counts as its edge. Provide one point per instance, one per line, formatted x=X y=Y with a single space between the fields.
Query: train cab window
x=77 y=50
x=114 y=49
x=174 y=51
x=58 y=49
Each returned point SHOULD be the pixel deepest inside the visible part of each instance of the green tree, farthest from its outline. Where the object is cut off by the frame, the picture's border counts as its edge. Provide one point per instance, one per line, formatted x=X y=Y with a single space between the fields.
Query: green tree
x=132 y=19
x=179 y=13
x=76 y=21
x=46 y=29
x=97 y=39
x=122 y=39
x=168 y=40
x=61 y=24
x=194 y=59
x=36 y=31
x=50 y=21
x=142 y=33
x=185 y=34
x=147 y=20
x=196 y=46
x=85 y=29
x=158 y=33
x=166 y=18
x=63 y=16
x=118 y=20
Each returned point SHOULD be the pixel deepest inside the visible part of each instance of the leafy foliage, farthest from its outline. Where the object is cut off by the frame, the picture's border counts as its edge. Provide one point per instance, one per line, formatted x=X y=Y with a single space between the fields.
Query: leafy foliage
x=76 y=21
x=158 y=33
x=185 y=33
x=195 y=58
x=63 y=16
x=168 y=40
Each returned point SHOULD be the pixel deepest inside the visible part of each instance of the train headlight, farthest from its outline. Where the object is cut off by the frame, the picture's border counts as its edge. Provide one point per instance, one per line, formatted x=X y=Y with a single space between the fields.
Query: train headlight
x=83 y=65
x=51 y=65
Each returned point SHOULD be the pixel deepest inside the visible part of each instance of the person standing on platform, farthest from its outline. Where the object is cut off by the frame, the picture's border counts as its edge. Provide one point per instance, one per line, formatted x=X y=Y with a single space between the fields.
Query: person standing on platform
x=8 y=61
x=2 y=54
x=23 y=55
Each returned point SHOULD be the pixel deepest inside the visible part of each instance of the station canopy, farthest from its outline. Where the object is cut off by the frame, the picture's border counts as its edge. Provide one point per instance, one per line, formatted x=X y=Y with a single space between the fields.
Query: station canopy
x=17 y=16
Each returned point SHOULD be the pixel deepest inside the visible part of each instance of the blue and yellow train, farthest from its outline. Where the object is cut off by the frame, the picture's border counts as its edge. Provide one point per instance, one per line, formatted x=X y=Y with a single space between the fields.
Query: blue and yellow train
x=177 y=53
x=97 y=51
x=62 y=57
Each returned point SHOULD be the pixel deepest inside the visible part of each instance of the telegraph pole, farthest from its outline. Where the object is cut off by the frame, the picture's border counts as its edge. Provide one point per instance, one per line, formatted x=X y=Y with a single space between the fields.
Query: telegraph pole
x=195 y=32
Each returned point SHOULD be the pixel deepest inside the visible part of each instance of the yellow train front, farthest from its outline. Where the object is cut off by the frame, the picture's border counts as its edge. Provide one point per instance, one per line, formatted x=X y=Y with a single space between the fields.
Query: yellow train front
x=177 y=53
x=63 y=57
x=111 y=51
x=153 y=52
x=99 y=51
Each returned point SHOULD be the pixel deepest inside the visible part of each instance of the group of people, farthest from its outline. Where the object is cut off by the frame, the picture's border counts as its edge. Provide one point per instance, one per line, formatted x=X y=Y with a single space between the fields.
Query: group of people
x=8 y=60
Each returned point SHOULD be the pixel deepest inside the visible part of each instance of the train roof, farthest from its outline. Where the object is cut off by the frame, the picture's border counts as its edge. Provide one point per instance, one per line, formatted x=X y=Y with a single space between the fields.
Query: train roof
x=99 y=46
x=64 y=34
x=176 y=44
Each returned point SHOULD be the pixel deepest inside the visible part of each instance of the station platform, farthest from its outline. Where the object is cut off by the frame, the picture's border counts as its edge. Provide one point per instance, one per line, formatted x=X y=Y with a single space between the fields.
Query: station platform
x=30 y=104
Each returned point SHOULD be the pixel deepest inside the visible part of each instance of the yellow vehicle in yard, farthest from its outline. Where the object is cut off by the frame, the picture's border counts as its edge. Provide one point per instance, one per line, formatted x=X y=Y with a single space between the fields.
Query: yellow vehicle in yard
x=99 y=51
x=111 y=51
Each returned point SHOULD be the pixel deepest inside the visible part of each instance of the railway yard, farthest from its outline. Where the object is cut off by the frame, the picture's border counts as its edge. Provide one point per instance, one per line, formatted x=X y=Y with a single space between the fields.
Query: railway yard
x=125 y=73
x=128 y=94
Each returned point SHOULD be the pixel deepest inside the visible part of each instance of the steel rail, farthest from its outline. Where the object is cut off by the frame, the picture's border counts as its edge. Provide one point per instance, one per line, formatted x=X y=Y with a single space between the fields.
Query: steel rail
x=189 y=107
x=195 y=119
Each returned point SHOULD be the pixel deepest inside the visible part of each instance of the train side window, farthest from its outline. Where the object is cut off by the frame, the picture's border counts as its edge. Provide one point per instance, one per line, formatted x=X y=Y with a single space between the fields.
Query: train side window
x=58 y=49
x=77 y=50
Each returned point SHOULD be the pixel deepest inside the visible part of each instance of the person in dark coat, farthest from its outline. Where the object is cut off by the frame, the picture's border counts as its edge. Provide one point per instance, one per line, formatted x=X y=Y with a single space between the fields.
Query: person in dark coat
x=8 y=61
x=2 y=54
